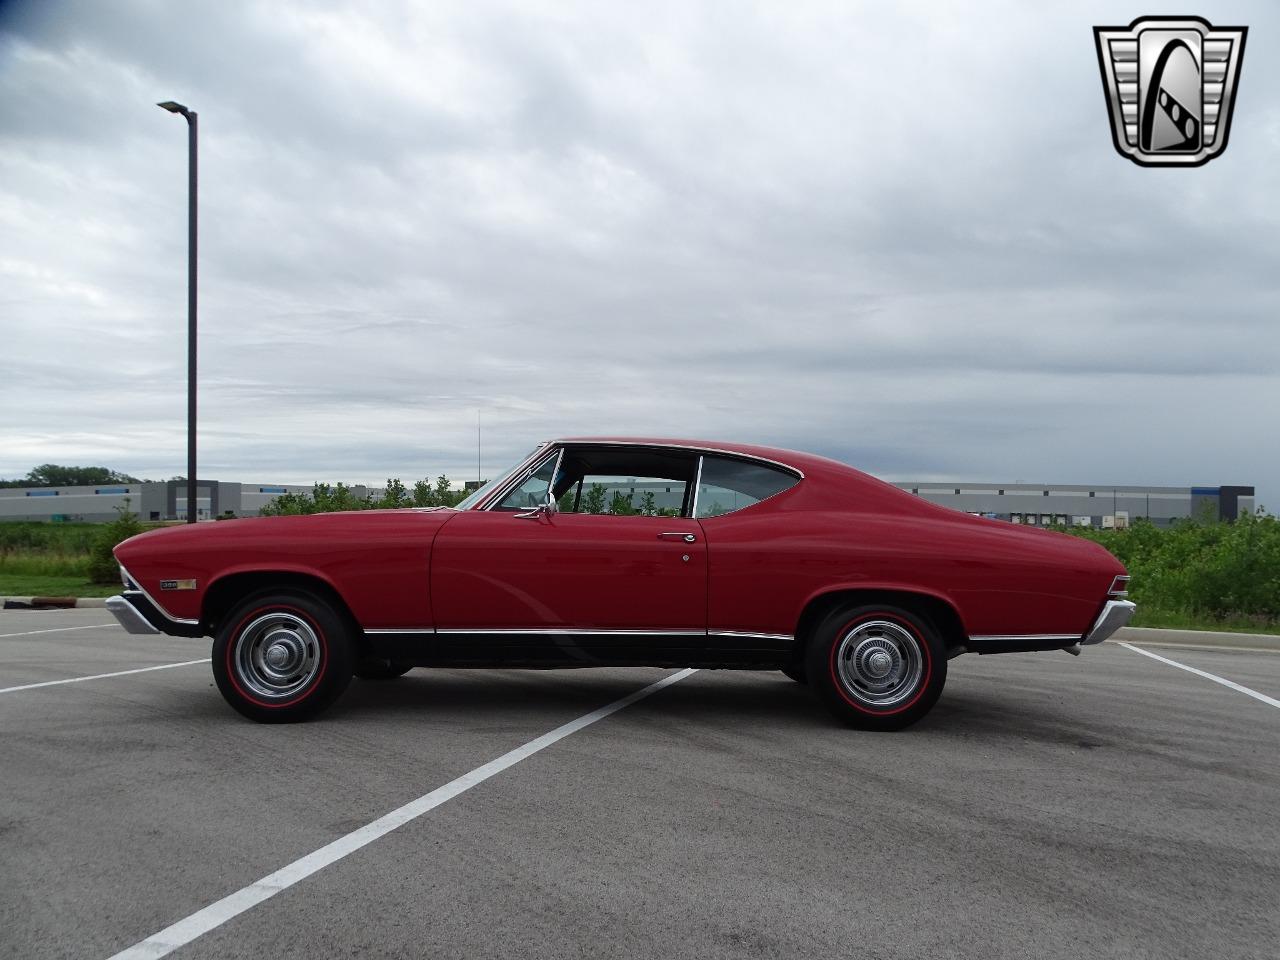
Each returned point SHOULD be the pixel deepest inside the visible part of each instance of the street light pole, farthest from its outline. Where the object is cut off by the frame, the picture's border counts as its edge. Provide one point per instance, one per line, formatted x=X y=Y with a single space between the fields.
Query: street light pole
x=191 y=302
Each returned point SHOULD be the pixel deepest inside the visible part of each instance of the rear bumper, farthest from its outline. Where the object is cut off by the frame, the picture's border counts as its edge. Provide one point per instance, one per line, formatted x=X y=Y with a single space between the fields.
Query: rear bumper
x=1115 y=614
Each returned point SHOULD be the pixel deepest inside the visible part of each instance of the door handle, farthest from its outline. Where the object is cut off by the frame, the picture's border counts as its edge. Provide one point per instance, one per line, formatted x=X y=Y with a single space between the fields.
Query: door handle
x=678 y=535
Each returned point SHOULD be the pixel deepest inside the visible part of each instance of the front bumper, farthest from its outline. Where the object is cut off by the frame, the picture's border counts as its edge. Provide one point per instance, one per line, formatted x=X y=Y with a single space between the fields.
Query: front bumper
x=129 y=616
x=1115 y=614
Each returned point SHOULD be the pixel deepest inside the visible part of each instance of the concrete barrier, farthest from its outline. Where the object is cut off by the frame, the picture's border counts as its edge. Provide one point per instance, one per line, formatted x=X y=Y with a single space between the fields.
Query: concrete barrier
x=51 y=603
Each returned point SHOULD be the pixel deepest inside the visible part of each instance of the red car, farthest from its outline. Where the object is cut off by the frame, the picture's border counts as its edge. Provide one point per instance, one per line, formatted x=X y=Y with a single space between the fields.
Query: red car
x=626 y=552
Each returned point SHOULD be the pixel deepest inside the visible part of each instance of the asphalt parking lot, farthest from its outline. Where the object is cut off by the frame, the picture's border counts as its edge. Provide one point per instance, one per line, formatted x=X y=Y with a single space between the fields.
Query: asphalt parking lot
x=1050 y=806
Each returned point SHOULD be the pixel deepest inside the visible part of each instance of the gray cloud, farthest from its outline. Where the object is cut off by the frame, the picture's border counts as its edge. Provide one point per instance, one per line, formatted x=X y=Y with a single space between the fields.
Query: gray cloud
x=897 y=237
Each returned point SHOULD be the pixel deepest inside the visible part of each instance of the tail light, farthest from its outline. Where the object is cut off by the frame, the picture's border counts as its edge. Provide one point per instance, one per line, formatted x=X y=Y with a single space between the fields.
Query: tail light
x=1119 y=587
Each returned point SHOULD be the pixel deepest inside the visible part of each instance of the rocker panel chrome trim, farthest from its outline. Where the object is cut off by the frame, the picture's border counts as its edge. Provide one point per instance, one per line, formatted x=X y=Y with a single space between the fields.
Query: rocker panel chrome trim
x=571 y=631
x=751 y=633
x=1018 y=637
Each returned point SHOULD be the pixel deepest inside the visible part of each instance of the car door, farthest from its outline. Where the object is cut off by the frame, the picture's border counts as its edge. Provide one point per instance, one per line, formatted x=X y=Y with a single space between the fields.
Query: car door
x=519 y=568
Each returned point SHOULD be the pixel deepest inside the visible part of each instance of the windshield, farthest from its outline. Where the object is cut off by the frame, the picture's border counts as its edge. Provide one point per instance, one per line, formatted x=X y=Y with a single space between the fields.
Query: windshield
x=489 y=487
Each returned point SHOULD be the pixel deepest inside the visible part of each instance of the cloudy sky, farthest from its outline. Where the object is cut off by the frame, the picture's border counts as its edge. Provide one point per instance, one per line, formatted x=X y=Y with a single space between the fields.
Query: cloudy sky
x=899 y=236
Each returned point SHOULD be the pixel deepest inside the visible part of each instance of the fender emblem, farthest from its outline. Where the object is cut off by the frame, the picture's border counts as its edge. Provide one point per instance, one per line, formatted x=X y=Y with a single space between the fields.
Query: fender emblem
x=177 y=584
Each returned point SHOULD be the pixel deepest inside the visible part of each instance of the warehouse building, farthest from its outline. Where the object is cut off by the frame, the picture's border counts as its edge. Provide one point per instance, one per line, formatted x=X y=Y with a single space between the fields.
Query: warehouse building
x=149 y=501
x=1038 y=504
x=1087 y=505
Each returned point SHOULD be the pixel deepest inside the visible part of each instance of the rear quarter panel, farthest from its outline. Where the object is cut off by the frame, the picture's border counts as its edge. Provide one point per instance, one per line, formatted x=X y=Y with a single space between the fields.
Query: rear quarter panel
x=767 y=565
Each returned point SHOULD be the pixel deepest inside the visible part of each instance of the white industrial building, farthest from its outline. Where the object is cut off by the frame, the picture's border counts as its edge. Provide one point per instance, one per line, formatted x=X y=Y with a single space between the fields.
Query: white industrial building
x=149 y=501
x=1039 y=504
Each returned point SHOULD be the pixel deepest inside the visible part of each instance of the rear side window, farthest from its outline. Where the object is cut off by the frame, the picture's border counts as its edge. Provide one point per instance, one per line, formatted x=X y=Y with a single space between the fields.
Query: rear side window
x=727 y=485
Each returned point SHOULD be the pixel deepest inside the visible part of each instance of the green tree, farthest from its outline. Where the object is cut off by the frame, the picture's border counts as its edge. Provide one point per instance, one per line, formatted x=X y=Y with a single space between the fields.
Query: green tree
x=55 y=475
x=289 y=505
x=567 y=499
x=620 y=504
x=445 y=495
x=424 y=495
x=322 y=499
x=103 y=567
x=648 y=504
x=593 y=502
x=338 y=498
x=394 y=496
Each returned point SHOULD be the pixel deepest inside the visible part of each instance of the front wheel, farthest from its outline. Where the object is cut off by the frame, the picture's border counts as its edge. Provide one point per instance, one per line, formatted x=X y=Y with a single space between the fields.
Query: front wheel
x=282 y=657
x=877 y=667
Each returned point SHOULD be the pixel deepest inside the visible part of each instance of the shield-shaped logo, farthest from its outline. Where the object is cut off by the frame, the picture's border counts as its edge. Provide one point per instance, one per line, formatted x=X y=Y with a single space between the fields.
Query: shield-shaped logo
x=1170 y=84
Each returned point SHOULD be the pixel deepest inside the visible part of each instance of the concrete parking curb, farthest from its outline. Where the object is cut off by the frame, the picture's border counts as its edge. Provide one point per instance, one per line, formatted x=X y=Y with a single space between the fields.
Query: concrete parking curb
x=61 y=603
x=1199 y=638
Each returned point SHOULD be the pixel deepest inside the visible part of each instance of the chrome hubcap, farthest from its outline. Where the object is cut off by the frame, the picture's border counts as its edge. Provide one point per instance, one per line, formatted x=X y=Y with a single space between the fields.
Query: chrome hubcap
x=879 y=663
x=277 y=655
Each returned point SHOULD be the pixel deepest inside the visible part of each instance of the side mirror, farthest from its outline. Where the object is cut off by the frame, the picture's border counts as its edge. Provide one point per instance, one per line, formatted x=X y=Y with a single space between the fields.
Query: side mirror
x=545 y=509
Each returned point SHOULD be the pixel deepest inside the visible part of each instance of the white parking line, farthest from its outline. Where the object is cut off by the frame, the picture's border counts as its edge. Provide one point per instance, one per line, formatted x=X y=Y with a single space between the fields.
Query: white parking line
x=102 y=676
x=202 y=921
x=1208 y=676
x=32 y=633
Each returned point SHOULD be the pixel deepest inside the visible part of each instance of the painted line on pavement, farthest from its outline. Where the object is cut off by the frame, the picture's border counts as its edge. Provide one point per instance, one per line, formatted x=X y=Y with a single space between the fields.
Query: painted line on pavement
x=101 y=676
x=1208 y=676
x=32 y=633
x=202 y=921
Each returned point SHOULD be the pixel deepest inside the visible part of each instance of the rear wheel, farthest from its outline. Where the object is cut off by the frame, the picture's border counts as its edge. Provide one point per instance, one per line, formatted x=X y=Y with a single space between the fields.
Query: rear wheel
x=281 y=657
x=377 y=668
x=877 y=667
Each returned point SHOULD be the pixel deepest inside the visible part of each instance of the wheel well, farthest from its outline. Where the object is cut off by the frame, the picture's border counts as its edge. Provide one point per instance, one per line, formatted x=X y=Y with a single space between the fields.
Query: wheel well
x=226 y=592
x=941 y=614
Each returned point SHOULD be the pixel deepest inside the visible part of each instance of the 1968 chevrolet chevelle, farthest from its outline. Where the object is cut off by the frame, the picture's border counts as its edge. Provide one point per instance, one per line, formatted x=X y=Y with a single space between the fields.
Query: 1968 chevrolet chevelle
x=626 y=552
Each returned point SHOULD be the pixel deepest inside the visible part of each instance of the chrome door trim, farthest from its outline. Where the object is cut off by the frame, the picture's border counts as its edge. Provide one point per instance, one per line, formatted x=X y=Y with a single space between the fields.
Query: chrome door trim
x=697 y=482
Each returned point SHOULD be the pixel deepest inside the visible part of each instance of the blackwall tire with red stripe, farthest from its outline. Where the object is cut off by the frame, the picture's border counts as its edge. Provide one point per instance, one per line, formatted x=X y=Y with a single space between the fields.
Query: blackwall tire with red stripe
x=877 y=666
x=281 y=657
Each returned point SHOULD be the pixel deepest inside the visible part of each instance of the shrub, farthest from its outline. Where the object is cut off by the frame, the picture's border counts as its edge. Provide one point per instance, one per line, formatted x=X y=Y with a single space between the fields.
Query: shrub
x=1214 y=570
x=102 y=564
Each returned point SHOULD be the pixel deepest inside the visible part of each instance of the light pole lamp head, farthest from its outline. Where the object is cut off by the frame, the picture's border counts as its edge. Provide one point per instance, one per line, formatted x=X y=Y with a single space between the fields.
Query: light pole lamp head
x=175 y=108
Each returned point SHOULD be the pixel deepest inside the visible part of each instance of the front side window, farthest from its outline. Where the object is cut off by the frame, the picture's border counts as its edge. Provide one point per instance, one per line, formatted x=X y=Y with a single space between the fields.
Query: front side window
x=624 y=481
x=727 y=485
x=624 y=496
x=533 y=491
x=477 y=495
